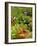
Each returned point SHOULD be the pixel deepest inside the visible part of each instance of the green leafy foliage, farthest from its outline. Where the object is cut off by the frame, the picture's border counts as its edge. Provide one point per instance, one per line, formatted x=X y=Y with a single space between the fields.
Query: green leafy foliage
x=20 y=21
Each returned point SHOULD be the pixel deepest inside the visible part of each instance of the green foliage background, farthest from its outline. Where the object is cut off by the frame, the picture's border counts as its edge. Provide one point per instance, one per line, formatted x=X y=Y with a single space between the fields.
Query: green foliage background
x=22 y=20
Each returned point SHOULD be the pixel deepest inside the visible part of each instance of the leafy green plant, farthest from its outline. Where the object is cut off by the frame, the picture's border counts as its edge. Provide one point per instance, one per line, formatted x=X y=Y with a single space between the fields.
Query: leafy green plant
x=21 y=22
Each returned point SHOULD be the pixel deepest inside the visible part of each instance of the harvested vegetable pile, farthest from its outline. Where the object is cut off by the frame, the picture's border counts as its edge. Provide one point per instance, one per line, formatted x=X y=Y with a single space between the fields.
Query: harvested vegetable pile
x=21 y=22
